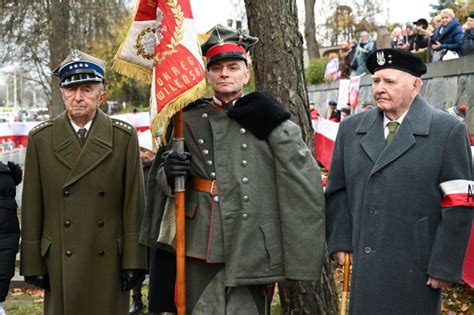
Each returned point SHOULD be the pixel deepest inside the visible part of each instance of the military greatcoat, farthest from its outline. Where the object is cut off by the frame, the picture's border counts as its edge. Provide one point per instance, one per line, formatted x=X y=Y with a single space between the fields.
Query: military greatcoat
x=384 y=204
x=81 y=214
x=267 y=221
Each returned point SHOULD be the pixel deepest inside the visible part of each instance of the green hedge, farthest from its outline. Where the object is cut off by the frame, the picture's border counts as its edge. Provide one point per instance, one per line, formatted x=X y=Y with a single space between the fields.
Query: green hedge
x=315 y=70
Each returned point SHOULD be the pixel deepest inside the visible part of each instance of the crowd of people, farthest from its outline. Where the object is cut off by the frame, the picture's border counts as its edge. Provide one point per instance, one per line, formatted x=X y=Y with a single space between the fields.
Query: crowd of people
x=442 y=39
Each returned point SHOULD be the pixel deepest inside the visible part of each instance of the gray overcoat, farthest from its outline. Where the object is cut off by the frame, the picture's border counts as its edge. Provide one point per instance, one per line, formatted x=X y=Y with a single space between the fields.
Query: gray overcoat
x=383 y=203
x=81 y=214
x=267 y=223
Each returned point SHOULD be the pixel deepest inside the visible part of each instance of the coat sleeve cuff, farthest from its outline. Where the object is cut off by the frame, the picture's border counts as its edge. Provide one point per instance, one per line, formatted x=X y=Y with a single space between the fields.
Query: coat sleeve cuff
x=31 y=260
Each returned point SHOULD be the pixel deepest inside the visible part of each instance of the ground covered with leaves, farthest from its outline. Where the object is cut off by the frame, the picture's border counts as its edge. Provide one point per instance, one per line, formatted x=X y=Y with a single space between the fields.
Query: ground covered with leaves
x=456 y=300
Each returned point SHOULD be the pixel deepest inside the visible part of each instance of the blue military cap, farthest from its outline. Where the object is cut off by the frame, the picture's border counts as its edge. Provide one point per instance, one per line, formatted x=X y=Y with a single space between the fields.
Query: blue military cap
x=80 y=67
x=399 y=59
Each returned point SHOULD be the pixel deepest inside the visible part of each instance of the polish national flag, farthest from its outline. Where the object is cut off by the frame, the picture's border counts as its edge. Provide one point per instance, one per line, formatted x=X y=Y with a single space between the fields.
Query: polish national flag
x=325 y=132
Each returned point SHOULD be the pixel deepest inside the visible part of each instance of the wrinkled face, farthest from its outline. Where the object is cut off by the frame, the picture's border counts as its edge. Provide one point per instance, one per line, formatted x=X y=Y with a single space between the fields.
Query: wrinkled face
x=445 y=19
x=364 y=36
x=82 y=100
x=228 y=77
x=394 y=91
x=470 y=23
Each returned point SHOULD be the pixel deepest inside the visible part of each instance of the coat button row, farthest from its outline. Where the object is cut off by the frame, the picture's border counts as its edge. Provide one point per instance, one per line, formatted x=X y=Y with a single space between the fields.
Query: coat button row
x=68 y=253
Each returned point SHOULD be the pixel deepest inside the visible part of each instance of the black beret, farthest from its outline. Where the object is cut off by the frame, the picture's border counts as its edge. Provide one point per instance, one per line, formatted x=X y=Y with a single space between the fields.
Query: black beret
x=402 y=60
x=225 y=43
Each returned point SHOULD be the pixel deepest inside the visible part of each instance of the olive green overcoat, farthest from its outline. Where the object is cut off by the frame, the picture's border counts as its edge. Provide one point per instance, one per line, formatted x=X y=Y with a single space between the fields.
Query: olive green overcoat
x=81 y=214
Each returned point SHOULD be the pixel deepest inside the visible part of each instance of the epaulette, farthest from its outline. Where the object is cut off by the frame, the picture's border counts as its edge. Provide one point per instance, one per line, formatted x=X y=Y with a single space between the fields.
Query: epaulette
x=122 y=125
x=41 y=126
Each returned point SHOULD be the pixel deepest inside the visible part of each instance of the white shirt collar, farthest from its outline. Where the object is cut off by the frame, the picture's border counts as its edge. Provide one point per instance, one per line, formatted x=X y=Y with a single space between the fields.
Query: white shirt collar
x=219 y=102
x=399 y=120
x=76 y=127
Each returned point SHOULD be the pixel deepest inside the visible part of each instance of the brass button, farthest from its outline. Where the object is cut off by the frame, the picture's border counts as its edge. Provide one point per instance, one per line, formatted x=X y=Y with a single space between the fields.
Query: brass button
x=205 y=152
x=209 y=162
x=213 y=175
x=243 y=131
x=68 y=253
x=216 y=198
x=204 y=116
x=245 y=216
x=244 y=146
x=244 y=163
x=245 y=180
x=201 y=141
x=246 y=198
x=67 y=224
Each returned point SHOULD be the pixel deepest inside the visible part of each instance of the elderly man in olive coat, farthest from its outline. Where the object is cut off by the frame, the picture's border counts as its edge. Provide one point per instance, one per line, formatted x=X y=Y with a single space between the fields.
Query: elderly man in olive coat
x=399 y=195
x=254 y=203
x=83 y=201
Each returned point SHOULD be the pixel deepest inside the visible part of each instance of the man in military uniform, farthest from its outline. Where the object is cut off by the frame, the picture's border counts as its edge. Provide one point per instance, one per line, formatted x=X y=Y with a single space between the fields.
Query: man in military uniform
x=83 y=201
x=254 y=204
x=399 y=194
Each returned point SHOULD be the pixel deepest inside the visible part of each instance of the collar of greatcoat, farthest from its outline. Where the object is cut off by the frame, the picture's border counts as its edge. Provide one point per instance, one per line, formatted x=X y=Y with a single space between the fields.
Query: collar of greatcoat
x=417 y=122
x=82 y=160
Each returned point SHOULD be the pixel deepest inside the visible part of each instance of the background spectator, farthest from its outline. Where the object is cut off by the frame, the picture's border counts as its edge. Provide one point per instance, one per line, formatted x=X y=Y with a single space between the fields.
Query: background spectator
x=448 y=36
x=421 y=40
x=331 y=73
x=397 y=38
x=333 y=113
x=363 y=49
x=344 y=54
x=468 y=40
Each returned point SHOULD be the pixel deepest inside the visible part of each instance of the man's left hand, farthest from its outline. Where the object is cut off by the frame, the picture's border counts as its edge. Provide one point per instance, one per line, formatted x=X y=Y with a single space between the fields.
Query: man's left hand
x=437 y=283
x=131 y=278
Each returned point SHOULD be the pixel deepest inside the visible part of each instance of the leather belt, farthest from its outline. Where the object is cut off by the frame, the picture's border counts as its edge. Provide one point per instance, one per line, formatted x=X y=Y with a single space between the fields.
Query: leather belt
x=205 y=185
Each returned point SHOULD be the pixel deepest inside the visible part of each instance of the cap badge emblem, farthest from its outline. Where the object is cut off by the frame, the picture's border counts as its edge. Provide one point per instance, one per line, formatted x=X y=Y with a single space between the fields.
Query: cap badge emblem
x=76 y=55
x=380 y=58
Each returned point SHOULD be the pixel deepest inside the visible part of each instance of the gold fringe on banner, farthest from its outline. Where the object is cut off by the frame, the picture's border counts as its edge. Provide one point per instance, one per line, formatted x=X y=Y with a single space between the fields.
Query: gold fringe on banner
x=160 y=122
x=130 y=69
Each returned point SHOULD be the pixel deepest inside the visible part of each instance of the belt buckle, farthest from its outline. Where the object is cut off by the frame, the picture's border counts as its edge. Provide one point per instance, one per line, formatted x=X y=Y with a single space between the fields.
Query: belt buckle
x=211 y=191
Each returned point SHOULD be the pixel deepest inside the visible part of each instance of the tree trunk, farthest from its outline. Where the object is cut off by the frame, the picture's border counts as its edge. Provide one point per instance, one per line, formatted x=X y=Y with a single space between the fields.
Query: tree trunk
x=312 y=45
x=278 y=66
x=59 y=48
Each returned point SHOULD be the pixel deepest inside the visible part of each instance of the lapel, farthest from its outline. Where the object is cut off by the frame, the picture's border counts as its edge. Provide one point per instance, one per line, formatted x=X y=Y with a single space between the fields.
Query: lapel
x=97 y=148
x=416 y=122
x=65 y=144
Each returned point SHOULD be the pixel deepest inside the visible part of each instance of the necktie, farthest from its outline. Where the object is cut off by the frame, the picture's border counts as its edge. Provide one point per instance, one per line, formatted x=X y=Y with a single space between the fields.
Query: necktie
x=392 y=129
x=82 y=135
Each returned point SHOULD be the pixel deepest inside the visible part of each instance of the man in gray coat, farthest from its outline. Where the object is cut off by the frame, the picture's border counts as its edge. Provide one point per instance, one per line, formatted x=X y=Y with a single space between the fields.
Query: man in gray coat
x=254 y=203
x=399 y=195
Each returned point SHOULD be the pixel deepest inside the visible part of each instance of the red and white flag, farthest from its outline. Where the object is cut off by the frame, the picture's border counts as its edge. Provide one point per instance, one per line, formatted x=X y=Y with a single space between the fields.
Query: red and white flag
x=162 y=48
x=325 y=132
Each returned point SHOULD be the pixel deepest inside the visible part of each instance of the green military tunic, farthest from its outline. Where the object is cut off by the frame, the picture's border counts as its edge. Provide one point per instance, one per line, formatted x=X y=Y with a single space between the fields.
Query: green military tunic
x=81 y=214
x=267 y=222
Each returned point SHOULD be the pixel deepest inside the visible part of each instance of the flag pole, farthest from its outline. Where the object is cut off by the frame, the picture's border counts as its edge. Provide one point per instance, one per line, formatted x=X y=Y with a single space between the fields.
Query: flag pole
x=178 y=146
x=345 y=285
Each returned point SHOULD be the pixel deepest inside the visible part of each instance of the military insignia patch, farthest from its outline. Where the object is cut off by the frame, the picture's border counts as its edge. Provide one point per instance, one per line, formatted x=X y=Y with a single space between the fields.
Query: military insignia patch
x=380 y=58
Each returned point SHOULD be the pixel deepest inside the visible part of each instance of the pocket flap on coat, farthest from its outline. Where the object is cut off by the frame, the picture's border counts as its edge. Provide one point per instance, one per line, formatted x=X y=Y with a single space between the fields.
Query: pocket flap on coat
x=45 y=245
